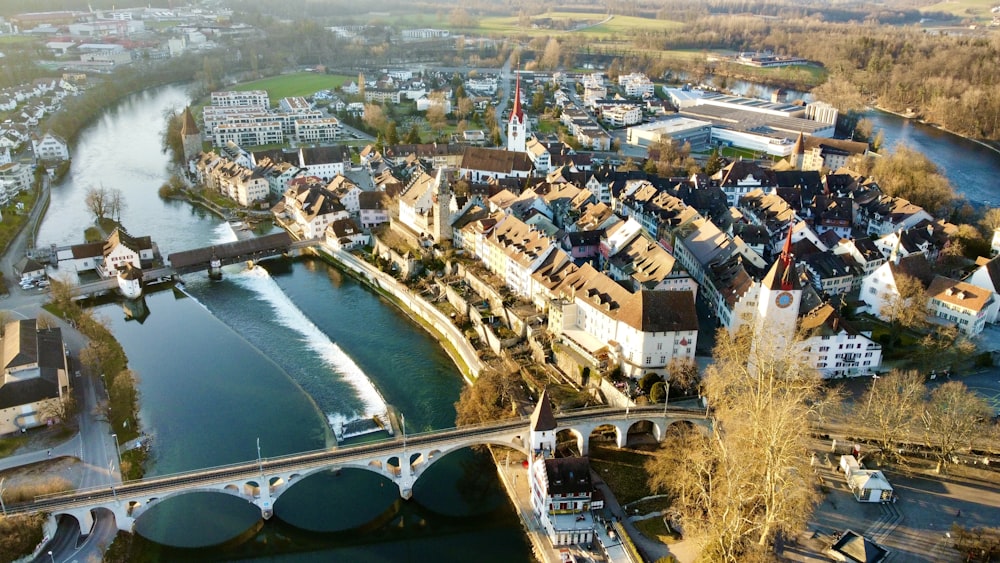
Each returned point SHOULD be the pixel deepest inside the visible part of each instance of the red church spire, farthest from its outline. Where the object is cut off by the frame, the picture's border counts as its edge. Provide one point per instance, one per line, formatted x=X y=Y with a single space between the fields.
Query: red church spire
x=517 y=111
x=787 y=277
x=786 y=251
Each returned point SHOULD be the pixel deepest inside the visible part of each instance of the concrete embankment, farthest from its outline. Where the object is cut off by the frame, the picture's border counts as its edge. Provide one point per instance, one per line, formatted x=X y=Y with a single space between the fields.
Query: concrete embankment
x=455 y=344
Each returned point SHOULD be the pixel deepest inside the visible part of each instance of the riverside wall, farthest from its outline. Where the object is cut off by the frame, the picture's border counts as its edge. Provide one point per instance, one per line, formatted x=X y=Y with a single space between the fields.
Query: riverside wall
x=459 y=349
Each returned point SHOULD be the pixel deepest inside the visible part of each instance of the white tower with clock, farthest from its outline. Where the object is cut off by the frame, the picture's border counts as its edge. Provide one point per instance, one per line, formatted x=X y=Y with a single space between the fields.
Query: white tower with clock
x=517 y=127
x=780 y=296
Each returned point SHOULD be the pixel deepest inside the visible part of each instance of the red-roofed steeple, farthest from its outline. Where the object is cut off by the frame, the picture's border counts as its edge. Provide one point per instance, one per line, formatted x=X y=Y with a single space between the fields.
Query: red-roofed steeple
x=788 y=275
x=517 y=112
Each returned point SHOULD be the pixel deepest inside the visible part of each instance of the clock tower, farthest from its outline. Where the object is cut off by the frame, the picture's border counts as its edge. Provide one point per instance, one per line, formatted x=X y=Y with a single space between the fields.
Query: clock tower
x=517 y=127
x=780 y=295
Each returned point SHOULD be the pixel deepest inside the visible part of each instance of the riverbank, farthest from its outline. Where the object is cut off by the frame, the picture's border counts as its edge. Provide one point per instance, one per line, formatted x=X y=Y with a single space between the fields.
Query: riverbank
x=912 y=116
x=459 y=349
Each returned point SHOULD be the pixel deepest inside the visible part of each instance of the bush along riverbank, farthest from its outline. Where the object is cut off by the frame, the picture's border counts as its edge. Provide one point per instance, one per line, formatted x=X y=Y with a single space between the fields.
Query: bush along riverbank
x=105 y=356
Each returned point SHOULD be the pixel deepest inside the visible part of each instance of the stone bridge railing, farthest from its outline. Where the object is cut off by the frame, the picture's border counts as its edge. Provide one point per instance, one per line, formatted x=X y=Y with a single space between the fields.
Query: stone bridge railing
x=401 y=461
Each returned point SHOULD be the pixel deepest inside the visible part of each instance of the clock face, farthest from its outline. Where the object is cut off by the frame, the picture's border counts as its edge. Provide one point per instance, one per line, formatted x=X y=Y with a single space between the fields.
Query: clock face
x=784 y=299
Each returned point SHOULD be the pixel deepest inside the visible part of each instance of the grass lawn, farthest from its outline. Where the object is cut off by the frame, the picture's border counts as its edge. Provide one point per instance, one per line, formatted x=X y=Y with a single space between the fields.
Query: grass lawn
x=299 y=84
x=616 y=25
x=811 y=75
x=979 y=9
x=623 y=470
x=11 y=39
x=10 y=444
x=655 y=529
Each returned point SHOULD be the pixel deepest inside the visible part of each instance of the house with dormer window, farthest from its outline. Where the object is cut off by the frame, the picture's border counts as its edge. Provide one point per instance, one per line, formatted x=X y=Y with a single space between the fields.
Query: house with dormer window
x=308 y=208
x=834 y=347
x=962 y=304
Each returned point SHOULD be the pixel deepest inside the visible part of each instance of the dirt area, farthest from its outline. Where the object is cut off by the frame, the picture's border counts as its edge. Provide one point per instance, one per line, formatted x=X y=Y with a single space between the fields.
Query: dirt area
x=39 y=478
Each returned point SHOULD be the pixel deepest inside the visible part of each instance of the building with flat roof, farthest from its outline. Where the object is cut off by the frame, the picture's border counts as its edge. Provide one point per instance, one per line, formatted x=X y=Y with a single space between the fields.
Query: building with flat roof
x=680 y=129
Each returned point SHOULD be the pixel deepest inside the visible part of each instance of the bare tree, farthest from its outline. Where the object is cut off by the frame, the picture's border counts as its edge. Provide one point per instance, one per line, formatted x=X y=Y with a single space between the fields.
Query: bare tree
x=952 y=420
x=889 y=408
x=942 y=348
x=749 y=480
x=116 y=204
x=552 y=55
x=464 y=107
x=97 y=201
x=990 y=221
x=908 y=306
x=375 y=117
x=683 y=375
x=488 y=399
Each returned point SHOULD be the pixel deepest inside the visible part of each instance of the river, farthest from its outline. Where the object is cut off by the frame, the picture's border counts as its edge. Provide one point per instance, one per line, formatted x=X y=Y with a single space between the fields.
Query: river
x=274 y=353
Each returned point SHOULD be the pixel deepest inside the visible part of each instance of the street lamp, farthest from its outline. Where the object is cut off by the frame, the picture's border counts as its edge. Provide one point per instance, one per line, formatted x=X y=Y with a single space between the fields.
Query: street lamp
x=260 y=463
x=51 y=558
x=871 y=391
x=118 y=454
x=666 y=397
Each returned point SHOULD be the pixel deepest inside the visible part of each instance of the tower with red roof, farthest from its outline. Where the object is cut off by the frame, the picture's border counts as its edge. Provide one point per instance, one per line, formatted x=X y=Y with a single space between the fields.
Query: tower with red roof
x=780 y=295
x=517 y=126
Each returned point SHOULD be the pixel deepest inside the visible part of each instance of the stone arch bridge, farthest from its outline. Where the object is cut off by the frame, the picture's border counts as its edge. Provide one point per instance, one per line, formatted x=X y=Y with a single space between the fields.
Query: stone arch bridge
x=402 y=461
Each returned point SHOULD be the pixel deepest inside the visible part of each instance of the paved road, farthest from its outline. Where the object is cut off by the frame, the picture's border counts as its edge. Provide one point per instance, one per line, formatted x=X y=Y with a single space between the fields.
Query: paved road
x=93 y=445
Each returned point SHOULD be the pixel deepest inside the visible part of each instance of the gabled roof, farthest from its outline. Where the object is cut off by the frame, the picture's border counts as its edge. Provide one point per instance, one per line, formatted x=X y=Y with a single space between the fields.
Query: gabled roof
x=660 y=311
x=739 y=170
x=825 y=321
x=992 y=268
x=568 y=475
x=120 y=236
x=959 y=294
x=644 y=260
x=497 y=161
x=20 y=344
x=913 y=265
x=372 y=200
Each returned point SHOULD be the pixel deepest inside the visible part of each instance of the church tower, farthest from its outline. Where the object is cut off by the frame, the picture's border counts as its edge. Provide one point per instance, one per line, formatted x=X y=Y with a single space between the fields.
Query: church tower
x=517 y=127
x=798 y=152
x=442 y=207
x=190 y=136
x=780 y=296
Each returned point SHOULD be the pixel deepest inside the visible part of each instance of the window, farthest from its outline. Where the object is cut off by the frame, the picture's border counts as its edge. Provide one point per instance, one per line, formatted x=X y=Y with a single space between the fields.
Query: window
x=872 y=290
x=824 y=348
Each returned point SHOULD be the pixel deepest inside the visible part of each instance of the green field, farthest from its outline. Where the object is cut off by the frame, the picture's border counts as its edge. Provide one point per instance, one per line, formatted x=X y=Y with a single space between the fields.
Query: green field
x=11 y=39
x=590 y=24
x=299 y=84
x=978 y=9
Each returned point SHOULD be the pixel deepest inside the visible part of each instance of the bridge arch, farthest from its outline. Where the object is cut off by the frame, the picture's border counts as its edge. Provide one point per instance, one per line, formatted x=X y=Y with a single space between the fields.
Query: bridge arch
x=439 y=453
x=375 y=466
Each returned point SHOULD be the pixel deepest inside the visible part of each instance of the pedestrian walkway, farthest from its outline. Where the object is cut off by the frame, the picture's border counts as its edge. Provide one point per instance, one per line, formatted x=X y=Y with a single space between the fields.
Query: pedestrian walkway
x=69 y=448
